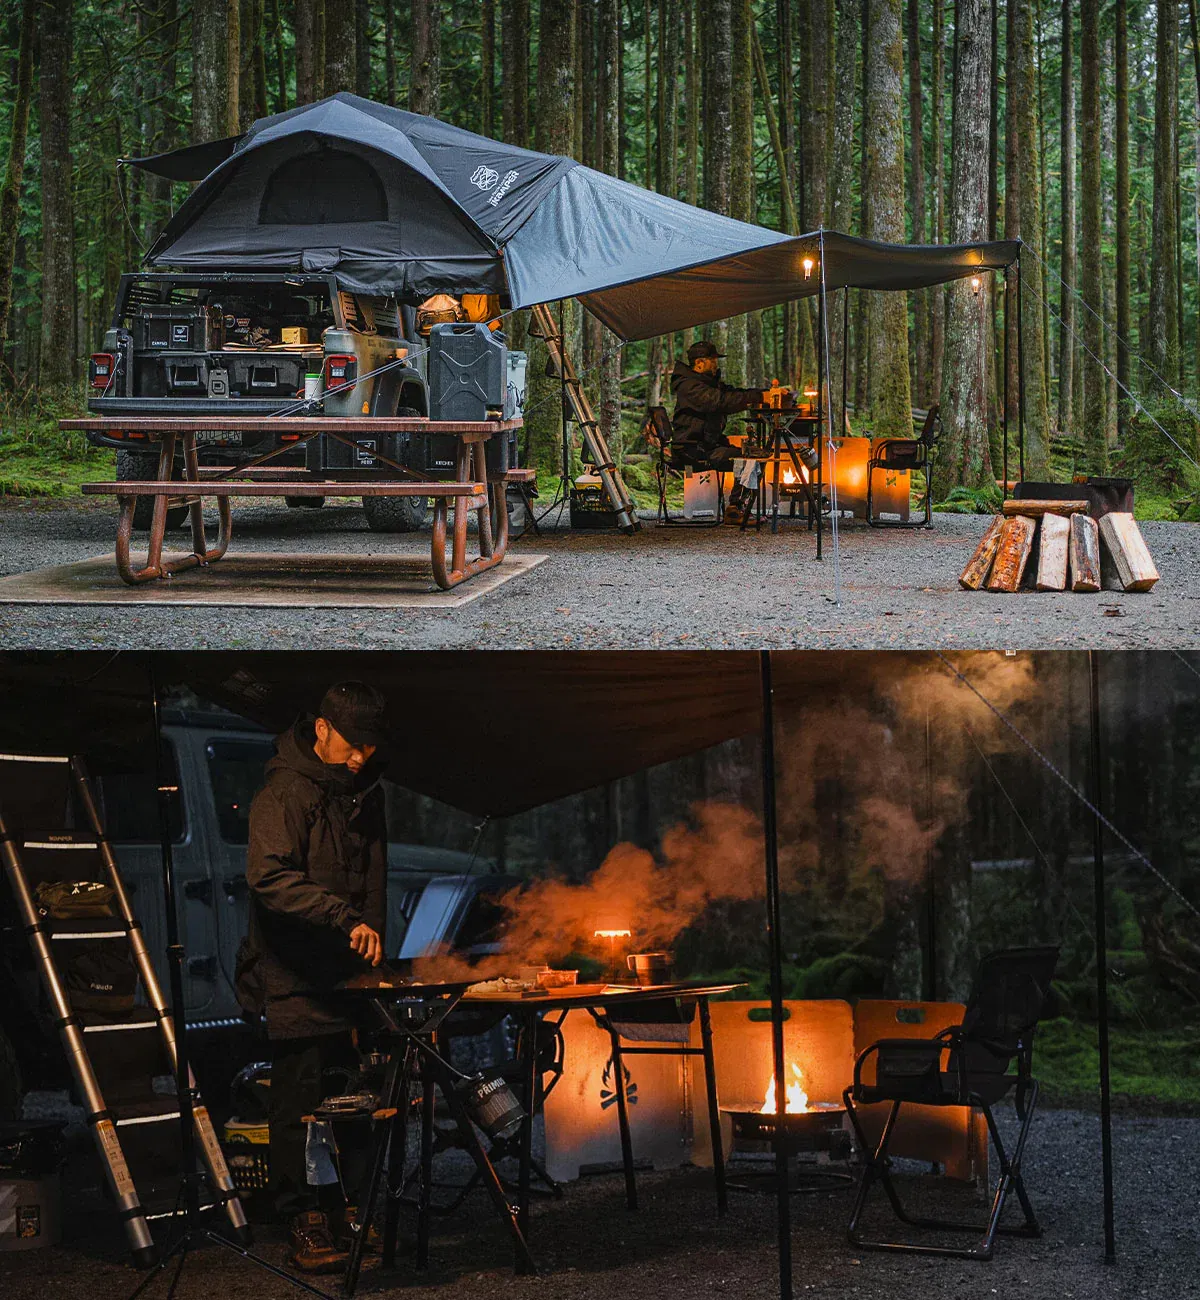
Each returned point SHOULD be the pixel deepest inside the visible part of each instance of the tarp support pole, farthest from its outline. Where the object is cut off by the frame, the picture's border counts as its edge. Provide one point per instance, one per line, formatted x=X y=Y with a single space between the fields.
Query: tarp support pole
x=1004 y=403
x=1020 y=380
x=1110 y=1243
x=775 y=962
x=845 y=352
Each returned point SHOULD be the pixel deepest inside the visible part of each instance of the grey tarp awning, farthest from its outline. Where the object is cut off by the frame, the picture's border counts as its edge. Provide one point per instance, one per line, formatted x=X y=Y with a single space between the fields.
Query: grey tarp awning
x=392 y=202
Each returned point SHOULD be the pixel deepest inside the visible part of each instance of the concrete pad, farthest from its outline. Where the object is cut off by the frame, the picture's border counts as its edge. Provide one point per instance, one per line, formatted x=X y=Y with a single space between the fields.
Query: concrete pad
x=261 y=579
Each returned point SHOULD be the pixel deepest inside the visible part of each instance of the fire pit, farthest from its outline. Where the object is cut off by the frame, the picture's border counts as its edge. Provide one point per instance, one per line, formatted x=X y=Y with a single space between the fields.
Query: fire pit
x=807 y=1128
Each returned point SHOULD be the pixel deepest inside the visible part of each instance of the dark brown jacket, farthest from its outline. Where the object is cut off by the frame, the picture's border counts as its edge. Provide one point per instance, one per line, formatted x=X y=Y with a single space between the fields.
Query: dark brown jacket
x=316 y=864
x=702 y=406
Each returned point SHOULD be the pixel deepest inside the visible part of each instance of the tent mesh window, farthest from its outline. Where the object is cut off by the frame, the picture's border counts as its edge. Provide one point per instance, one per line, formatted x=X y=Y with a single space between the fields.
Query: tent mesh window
x=327 y=187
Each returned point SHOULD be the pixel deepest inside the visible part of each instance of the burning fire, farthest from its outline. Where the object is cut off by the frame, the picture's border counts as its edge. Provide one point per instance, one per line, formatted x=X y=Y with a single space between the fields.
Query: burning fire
x=797 y=1098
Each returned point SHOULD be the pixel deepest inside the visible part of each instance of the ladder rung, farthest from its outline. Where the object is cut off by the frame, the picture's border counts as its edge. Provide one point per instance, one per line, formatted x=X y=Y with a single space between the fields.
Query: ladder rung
x=89 y=934
x=60 y=844
x=33 y=758
x=146 y=1119
x=116 y=1029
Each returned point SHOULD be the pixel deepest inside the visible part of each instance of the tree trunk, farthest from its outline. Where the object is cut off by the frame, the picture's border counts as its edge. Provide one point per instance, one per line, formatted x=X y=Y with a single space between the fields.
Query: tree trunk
x=214 y=75
x=718 y=118
x=862 y=317
x=310 y=51
x=937 y=306
x=1091 y=287
x=425 y=68
x=362 y=47
x=487 y=17
x=1164 y=230
x=1066 y=298
x=889 y=396
x=667 y=137
x=819 y=115
x=55 y=97
x=784 y=71
x=741 y=175
x=252 y=68
x=916 y=199
x=965 y=458
x=14 y=171
x=609 y=36
x=341 y=65
x=553 y=126
x=841 y=178
x=514 y=71
x=1022 y=92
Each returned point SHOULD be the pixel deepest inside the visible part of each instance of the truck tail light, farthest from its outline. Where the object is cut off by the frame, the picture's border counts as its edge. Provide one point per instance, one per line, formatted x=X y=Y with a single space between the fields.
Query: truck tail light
x=340 y=370
x=101 y=368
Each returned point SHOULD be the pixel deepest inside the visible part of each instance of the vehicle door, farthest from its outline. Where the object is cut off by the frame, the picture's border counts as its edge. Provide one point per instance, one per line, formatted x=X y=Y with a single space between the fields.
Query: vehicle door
x=234 y=764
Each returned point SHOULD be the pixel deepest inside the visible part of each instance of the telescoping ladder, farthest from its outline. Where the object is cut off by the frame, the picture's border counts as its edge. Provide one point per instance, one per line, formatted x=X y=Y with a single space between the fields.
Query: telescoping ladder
x=122 y=1056
x=622 y=503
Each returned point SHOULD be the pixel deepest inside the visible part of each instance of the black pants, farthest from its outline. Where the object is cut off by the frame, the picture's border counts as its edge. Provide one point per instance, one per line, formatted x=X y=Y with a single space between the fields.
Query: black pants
x=297 y=1088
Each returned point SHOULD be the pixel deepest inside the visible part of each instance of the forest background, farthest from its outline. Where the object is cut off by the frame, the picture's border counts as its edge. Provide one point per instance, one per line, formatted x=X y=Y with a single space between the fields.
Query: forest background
x=1074 y=126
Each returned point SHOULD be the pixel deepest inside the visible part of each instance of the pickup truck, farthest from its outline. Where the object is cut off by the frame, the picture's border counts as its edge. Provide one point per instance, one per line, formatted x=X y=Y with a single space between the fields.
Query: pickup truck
x=437 y=898
x=260 y=344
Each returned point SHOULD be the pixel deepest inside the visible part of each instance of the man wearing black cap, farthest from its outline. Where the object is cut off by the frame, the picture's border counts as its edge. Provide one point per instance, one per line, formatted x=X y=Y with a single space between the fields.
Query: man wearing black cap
x=702 y=405
x=316 y=865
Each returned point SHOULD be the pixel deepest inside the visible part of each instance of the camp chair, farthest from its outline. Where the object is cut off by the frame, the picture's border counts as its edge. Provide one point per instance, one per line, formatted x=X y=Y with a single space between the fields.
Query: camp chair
x=899 y=455
x=549 y=1069
x=659 y=434
x=966 y=1065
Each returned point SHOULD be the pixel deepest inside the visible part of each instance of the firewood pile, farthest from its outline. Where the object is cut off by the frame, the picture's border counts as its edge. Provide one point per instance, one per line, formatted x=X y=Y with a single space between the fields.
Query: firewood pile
x=1073 y=551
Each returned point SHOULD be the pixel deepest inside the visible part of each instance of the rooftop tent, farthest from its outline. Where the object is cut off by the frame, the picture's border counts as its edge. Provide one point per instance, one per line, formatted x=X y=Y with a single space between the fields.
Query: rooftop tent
x=395 y=202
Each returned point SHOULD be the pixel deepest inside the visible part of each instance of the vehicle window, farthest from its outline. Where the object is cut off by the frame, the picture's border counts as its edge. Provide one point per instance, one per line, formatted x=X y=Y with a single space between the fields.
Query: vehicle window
x=482 y=924
x=235 y=769
x=129 y=804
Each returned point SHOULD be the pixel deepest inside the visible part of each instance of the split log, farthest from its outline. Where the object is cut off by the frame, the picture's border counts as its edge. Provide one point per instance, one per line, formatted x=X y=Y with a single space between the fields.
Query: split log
x=1052 y=553
x=1012 y=555
x=1127 y=549
x=980 y=564
x=1035 y=509
x=1085 y=554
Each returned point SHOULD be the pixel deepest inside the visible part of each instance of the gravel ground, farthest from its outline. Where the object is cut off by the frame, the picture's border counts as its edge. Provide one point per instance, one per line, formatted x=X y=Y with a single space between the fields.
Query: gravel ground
x=675 y=1248
x=690 y=589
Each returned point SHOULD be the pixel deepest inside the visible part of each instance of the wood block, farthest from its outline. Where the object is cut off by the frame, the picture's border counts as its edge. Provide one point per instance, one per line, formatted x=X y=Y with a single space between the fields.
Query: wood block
x=1052 y=555
x=1035 y=509
x=1084 y=550
x=1012 y=555
x=979 y=565
x=1127 y=548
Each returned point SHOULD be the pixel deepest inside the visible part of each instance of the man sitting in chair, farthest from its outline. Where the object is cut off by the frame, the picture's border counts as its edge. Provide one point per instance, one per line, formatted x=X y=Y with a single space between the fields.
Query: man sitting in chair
x=702 y=405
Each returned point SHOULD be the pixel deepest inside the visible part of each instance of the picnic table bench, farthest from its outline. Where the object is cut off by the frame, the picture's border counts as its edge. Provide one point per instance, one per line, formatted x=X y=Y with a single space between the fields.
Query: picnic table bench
x=474 y=487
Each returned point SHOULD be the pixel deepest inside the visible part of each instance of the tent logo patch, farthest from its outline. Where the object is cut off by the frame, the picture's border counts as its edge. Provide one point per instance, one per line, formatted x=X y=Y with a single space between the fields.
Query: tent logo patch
x=503 y=188
x=484 y=178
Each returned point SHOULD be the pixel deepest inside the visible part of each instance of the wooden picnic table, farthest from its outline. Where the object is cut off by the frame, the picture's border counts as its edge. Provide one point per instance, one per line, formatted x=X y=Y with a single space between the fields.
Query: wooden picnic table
x=473 y=488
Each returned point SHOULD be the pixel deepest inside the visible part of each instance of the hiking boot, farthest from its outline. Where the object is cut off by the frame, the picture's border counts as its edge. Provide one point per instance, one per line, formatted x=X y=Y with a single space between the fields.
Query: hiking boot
x=313 y=1247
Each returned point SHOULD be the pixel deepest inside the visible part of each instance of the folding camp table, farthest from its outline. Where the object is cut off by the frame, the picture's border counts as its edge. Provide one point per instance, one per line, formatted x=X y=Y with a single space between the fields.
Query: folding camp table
x=474 y=487
x=605 y=1005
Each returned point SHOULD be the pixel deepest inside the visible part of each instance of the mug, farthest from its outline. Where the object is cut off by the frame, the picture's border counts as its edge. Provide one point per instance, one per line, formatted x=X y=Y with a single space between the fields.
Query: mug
x=650 y=967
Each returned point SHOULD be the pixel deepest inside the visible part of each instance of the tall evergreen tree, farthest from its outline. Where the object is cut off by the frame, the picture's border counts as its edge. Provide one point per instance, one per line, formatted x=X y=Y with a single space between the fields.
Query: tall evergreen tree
x=14 y=170
x=965 y=456
x=916 y=196
x=425 y=75
x=55 y=88
x=1164 y=236
x=341 y=64
x=1091 y=377
x=514 y=71
x=310 y=50
x=1066 y=173
x=889 y=397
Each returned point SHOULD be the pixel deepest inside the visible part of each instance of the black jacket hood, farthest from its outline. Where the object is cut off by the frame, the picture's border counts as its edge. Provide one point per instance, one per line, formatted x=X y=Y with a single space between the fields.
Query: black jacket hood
x=294 y=752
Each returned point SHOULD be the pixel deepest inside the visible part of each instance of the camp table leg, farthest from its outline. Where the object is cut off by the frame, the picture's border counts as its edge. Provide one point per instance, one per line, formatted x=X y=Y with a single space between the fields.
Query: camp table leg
x=484 y=512
x=714 y=1112
x=529 y=1037
x=463 y=463
x=623 y=1118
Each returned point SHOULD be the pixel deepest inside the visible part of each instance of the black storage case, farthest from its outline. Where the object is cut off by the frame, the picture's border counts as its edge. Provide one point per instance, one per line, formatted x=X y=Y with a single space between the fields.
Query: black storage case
x=468 y=371
x=176 y=328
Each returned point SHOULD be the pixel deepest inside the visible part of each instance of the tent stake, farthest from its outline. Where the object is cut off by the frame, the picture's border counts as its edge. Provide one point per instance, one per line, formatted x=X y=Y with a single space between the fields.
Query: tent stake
x=1110 y=1244
x=775 y=959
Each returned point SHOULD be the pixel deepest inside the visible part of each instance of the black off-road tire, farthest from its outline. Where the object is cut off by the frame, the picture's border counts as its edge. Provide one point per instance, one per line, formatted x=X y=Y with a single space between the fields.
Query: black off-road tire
x=133 y=467
x=396 y=514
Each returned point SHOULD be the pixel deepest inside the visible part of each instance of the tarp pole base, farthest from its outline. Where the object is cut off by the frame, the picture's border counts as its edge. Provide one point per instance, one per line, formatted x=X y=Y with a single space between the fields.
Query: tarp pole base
x=614 y=485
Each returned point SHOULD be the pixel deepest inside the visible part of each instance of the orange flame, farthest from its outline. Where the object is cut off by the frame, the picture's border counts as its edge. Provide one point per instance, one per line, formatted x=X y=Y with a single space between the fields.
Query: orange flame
x=797 y=1098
